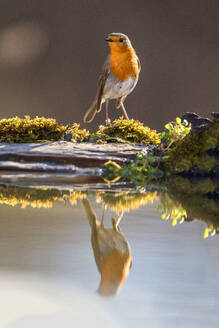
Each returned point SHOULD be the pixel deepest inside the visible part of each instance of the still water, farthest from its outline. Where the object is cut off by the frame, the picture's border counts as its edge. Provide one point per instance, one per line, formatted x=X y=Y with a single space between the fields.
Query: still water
x=157 y=273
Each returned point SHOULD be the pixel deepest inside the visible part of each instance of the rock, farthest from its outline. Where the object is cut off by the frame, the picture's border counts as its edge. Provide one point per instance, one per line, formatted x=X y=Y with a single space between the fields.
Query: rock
x=63 y=156
x=197 y=122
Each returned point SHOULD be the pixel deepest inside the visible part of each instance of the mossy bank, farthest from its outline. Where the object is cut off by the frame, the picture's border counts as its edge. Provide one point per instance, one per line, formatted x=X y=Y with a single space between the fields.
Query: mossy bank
x=182 y=148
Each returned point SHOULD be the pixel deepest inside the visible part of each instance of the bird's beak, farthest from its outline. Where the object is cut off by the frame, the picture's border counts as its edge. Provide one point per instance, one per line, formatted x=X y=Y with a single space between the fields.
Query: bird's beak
x=108 y=40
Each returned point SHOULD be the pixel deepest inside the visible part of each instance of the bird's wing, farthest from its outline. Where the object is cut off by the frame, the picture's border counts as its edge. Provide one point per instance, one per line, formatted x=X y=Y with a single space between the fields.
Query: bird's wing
x=101 y=83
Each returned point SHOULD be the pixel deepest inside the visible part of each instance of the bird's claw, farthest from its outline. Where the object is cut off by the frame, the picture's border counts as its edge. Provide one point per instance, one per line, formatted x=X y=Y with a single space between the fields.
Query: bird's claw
x=108 y=122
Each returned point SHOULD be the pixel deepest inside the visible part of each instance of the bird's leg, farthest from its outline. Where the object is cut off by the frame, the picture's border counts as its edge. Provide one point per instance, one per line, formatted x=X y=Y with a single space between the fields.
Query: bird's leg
x=108 y=121
x=123 y=108
x=116 y=222
x=119 y=218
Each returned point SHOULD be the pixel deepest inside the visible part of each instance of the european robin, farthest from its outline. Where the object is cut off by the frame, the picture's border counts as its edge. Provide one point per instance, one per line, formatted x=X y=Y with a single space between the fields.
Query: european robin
x=118 y=78
x=111 y=251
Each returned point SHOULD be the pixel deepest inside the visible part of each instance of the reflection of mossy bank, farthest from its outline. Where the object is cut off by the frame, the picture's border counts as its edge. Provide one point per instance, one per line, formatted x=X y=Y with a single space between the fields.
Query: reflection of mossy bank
x=180 y=200
x=189 y=201
x=36 y=197
x=39 y=197
x=125 y=201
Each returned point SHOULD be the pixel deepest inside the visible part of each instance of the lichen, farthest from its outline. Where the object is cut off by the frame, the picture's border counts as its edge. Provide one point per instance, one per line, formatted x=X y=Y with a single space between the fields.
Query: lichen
x=126 y=131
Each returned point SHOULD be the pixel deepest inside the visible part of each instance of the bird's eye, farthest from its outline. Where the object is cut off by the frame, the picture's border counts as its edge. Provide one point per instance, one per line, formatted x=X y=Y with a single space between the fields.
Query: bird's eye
x=121 y=40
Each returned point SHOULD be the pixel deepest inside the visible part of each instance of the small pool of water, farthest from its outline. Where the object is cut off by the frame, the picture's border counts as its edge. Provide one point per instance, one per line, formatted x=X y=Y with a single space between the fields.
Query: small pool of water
x=49 y=277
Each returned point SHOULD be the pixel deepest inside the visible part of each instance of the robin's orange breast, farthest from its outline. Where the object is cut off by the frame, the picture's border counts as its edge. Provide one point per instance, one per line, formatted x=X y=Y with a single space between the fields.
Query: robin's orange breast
x=124 y=64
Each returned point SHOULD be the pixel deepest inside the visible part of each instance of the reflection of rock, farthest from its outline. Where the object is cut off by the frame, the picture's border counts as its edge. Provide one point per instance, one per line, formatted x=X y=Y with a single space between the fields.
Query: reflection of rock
x=22 y=43
x=111 y=251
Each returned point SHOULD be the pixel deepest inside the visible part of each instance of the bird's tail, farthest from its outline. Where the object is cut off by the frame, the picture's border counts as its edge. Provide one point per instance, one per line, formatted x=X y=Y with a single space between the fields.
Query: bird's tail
x=91 y=112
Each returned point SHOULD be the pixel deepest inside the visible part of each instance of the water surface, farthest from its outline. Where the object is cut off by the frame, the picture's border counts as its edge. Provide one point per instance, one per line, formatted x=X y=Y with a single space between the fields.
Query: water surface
x=49 y=278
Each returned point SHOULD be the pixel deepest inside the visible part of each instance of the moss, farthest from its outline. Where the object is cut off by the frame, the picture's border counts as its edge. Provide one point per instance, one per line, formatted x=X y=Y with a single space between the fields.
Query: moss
x=38 y=129
x=191 y=151
x=30 y=130
x=124 y=131
x=181 y=151
x=41 y=129
x=74 y=134
x=173 y=151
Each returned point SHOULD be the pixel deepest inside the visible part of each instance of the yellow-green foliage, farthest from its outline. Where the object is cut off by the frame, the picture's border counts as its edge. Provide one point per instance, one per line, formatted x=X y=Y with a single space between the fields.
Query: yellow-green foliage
x=191 y=151
x=36 y=197
x=126 y=131
x=175 y=132
x=143 y=169
x=37 y=129
x=77 y=135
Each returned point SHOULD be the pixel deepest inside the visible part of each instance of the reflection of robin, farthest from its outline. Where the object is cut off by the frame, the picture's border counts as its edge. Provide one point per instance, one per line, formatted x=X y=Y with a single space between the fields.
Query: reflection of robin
x=118 y=78
x=111 y=251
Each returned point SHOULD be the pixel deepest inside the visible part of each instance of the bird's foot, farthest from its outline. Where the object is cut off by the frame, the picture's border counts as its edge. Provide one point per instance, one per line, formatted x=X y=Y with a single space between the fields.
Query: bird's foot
x=115 y=225
x=108 y=122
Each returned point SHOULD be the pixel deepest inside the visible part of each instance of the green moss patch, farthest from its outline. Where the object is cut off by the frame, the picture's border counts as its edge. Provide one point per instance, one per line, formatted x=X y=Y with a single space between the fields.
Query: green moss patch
x=124 y=131
x=75 y=134
x=41 y=129
x=38 y=129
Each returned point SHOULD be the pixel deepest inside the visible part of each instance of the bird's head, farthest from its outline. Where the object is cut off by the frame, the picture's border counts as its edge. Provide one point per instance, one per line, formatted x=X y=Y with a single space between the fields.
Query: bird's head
x=114 y=271
x=118 y=42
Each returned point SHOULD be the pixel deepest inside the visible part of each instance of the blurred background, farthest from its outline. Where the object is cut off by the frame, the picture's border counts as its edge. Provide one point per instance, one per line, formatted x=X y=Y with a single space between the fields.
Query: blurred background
x=52 y=51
